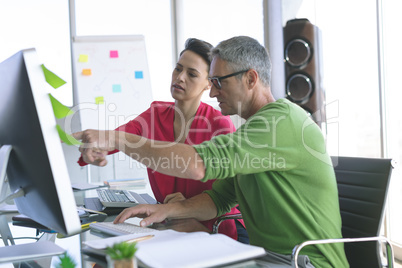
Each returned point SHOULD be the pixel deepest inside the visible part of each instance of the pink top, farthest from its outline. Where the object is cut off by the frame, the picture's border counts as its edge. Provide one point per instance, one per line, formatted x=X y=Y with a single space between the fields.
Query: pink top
x=157 y=123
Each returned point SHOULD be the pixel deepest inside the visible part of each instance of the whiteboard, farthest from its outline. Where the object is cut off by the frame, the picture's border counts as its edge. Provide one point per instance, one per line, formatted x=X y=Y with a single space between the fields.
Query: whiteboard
x=111 y=79
x=112 y=85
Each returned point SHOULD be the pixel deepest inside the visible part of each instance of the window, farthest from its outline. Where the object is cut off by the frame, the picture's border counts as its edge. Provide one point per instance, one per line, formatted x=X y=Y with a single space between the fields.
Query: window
x=215 y=21
x=392 y=60
x=43 y=25
x=350 y=70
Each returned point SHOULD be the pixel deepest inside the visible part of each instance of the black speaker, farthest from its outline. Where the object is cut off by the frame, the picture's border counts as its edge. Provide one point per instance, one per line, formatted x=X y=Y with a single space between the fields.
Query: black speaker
x=303 y=67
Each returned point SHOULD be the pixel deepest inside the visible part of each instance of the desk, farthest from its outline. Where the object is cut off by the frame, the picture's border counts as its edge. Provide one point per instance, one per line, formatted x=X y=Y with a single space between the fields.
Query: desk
x=73 y=244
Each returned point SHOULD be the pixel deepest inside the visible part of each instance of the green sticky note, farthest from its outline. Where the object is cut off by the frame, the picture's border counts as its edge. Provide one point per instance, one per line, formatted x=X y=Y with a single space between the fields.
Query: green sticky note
x=67 y=138
x=99 y=100
x=52 y=79
x=60 y=111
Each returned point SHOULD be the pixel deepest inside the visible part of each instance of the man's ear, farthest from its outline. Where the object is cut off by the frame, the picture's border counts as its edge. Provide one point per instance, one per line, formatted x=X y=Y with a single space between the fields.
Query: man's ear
x=252 y=78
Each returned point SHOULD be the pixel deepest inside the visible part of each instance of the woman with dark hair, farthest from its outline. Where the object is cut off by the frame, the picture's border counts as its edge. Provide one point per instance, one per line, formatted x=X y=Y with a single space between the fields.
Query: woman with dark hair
x=186 y=120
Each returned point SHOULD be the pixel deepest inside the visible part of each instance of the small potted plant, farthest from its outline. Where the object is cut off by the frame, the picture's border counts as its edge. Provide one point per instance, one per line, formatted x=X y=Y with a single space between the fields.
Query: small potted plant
x=122 y=255
x=66 y=261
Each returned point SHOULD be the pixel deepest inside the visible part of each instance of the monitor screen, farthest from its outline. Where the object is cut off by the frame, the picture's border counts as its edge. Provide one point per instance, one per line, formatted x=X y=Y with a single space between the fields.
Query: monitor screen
x=36 y=162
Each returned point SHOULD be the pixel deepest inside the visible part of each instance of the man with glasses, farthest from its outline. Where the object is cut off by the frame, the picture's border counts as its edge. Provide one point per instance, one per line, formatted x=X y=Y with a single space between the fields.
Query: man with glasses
x=275 y=166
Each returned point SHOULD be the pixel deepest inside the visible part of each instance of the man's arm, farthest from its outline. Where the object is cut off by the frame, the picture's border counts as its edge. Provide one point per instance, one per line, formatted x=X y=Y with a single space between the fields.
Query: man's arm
x=174 y=159
x=201 y=207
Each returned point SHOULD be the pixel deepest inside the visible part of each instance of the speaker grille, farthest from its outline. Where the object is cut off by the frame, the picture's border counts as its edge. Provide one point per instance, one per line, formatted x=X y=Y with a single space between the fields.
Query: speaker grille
x=298 y=53
x=299 y=88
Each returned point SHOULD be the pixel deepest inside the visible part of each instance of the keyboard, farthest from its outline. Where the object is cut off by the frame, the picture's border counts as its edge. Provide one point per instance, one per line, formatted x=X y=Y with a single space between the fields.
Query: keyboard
x=119 y=228
x=116 y=198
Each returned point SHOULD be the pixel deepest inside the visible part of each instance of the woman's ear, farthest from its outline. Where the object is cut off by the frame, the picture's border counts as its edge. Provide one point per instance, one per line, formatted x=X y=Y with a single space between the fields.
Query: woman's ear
x=208 y=87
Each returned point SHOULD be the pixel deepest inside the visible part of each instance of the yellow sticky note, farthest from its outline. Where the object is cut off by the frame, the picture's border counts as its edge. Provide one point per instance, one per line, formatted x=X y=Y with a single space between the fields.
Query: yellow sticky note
x=86 y=71
x=67 y=138
x=99 y=100
x=60 y=111
x=51 y=78
x=83 y=58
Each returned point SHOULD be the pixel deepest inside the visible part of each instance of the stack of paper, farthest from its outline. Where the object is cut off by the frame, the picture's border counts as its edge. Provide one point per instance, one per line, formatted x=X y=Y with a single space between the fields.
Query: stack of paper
x=169 y=248
x=127 y=184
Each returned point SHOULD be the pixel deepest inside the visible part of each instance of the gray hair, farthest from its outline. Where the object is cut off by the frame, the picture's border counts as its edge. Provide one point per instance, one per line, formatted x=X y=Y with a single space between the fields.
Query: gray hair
x=243 y=53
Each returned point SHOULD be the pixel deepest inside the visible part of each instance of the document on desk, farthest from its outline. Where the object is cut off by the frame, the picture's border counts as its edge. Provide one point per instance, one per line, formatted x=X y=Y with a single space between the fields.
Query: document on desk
x=169 y=248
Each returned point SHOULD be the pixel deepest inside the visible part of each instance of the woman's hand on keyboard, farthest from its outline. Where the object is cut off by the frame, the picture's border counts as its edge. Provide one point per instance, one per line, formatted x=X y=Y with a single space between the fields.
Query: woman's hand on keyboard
x=149 y=214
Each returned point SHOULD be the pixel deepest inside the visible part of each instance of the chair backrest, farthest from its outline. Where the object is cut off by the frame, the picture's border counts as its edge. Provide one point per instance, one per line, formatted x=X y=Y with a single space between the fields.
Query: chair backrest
x=362 y=188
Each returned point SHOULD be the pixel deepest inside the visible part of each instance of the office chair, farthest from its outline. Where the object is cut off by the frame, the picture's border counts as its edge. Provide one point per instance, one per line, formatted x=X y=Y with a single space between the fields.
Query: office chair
x=362 y=189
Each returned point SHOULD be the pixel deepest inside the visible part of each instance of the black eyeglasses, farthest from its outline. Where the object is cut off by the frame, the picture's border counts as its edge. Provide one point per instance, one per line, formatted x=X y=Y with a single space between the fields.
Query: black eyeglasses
x=216 y=81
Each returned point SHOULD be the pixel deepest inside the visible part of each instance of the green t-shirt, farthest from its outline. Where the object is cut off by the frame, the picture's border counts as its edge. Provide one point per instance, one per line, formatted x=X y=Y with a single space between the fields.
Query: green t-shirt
x=275 y=166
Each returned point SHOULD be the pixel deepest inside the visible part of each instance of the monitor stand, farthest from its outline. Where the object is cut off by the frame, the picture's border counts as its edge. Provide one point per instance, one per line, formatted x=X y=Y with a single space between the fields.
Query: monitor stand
x=5 y=151
x=5 y=232
x=11 y=252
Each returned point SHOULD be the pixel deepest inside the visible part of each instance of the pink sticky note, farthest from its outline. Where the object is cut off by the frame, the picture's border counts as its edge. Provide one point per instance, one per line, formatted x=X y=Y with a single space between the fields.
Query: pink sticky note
x=114 y=53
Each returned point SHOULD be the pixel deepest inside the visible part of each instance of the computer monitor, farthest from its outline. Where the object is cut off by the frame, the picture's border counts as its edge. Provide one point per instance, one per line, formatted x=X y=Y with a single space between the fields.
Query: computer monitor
x=36 y=163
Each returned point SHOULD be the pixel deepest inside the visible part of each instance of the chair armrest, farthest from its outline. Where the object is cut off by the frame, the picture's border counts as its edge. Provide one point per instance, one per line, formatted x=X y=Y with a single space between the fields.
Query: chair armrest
x=219 y=220
x=389 y=251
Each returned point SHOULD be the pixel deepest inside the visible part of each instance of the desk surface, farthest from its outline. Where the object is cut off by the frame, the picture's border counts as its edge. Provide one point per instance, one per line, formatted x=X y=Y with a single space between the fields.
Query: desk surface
x=73 y=244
